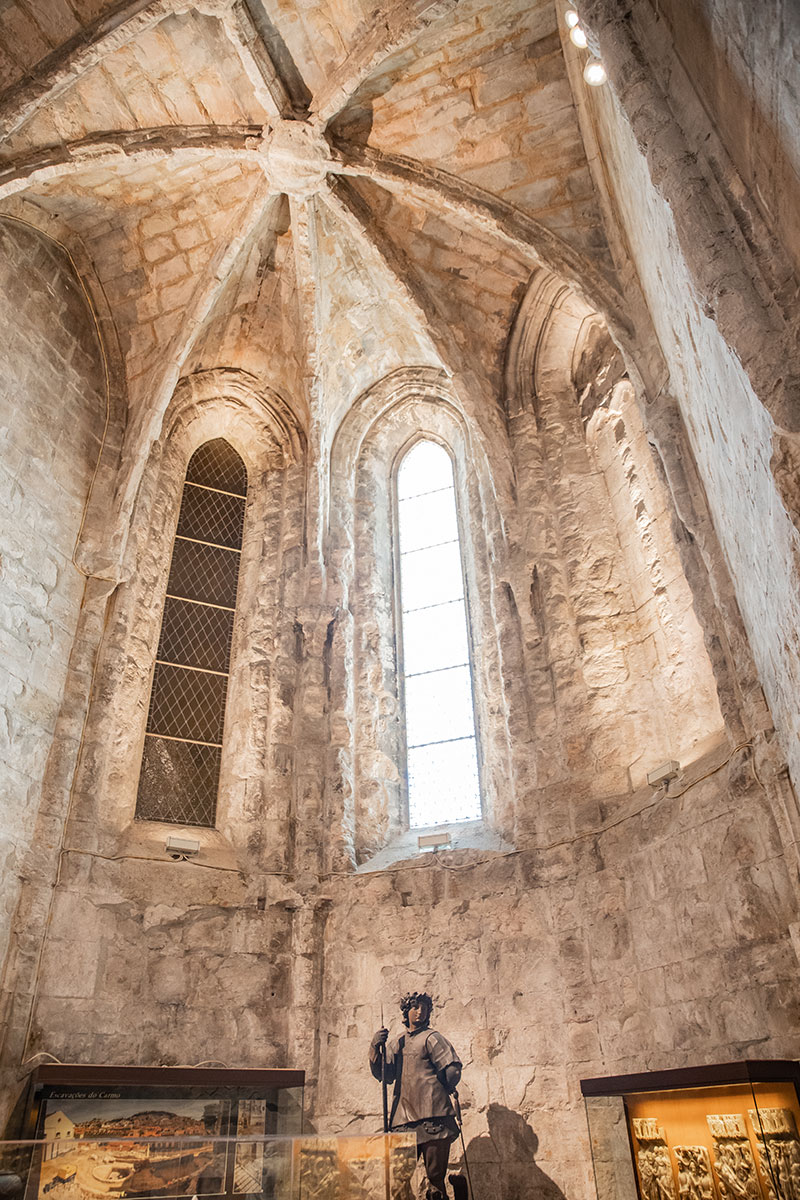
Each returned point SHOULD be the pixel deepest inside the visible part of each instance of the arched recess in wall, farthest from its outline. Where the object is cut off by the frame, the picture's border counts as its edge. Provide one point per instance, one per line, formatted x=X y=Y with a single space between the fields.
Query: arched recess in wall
x=93 y=553
x=628 y=656
x=260 y=427
x=407 y=406
x=60 y=421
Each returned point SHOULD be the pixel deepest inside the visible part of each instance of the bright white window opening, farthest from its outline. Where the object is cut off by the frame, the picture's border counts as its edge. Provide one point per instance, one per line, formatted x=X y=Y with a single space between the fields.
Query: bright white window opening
x=441 y=747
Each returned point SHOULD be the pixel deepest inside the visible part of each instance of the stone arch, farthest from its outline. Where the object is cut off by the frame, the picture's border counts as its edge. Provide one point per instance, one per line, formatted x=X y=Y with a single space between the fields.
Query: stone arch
x=545 y=295
x=380 y=427
x=92 y=555
x=56 y=410
x=394 y=390
x=245 y=394
x=614 y=610
x=259 y=427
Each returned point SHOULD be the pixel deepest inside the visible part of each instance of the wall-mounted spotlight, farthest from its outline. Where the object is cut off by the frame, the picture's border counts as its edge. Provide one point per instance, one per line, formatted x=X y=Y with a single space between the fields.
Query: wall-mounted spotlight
x=663 y=774
x=181 y=848
x=434 y=841
x=594 y=72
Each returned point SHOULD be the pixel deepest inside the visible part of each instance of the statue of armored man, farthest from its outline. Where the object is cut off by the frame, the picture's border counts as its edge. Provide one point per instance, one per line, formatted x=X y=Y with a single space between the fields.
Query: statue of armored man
x=425 y=1070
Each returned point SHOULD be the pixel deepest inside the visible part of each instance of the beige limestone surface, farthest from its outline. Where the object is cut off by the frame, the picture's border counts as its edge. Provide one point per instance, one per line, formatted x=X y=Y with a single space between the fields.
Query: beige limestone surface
x=323 y=230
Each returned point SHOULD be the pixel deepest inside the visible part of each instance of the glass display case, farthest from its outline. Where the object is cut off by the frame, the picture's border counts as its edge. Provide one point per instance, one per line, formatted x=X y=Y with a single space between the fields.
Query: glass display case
x=186 y=1133
x=343 y=1167
x=723 y=1132
x=157 y=1131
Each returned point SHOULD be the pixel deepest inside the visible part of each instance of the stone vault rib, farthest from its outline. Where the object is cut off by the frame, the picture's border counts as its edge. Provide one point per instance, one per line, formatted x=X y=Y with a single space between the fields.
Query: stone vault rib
x=115 y=147
x=64 y=66
x=258 y=66
x=146 y=424
x=392 y=30
x=440 y=190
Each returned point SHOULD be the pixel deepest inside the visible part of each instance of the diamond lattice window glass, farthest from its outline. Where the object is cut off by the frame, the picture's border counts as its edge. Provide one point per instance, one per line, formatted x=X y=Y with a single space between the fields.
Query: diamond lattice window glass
x=179 y=778
x=441 y=744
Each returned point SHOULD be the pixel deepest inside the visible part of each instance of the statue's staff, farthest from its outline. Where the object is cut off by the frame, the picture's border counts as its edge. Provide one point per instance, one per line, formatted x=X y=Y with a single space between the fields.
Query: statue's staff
x=457 y=1106
x=384 y=1086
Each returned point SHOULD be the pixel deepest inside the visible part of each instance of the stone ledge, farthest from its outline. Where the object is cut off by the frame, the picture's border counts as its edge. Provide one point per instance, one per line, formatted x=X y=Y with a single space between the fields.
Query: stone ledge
x=464 y=836
x=147 y=840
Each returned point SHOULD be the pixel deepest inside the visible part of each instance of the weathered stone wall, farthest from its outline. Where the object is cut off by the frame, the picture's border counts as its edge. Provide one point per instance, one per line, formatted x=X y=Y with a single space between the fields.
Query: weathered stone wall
x=729 y=429
x=741 y=60
x=52 y=411
x=126 y=952
x=605 y=953
x=601 y=942
x=589 y=925
x=655 y=935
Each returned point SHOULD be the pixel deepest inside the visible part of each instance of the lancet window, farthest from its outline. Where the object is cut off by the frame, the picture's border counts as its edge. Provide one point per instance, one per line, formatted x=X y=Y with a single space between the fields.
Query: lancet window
x=441 y=742
x=179 y=778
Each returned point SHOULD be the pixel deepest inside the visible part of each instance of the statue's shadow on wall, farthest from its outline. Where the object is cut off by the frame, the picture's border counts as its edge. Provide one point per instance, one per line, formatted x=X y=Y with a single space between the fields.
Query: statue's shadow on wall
x=502 y=1164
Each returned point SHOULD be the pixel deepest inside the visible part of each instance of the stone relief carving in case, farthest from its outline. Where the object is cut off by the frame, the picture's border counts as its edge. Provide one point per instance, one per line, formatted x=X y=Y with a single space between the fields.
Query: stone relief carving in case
x=728 y=1131
x=655 y=1169
x=734 y=1175
x=778 y=1151
x=733 y=1157
x=695 y=1181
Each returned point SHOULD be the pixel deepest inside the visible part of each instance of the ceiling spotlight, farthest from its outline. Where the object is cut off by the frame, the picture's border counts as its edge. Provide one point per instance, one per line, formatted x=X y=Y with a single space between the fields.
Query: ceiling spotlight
x=594 y=72
x=571 y=18
x=578 y=37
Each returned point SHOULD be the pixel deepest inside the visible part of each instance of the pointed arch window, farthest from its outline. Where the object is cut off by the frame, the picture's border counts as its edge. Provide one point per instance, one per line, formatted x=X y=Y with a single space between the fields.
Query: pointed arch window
x=179 y=778
x=441 y=742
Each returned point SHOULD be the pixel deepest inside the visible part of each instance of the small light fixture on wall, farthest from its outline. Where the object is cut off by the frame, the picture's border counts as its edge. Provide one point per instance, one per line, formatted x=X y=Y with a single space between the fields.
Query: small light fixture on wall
x=181 y=849
x=661 y=776
x=594 y=73
x=434 y=841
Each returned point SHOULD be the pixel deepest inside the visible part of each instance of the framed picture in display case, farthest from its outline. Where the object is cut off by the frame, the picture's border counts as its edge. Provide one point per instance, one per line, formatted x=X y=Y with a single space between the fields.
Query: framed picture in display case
x=163 y=1132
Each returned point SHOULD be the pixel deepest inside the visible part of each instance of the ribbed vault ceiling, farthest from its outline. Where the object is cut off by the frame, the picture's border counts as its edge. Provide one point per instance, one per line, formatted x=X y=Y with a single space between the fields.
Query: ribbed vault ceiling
x=256 y=184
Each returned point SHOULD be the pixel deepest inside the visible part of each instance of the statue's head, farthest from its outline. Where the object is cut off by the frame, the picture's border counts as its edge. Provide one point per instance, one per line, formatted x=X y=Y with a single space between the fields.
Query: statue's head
x=419 y=1000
